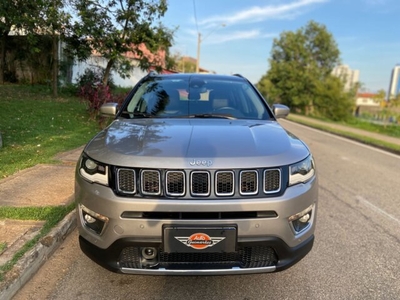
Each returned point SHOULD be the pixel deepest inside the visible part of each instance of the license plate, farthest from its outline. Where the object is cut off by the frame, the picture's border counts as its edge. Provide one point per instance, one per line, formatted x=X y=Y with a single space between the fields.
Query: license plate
x=199 y=239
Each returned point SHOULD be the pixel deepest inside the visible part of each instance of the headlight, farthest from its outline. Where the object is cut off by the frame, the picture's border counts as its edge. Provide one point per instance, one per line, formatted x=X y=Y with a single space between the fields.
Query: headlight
x=93 y=171
x=302 y=171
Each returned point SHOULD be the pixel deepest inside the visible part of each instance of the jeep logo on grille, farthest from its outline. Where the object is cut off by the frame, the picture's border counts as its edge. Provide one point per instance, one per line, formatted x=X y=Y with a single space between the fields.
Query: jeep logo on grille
x=200 y=163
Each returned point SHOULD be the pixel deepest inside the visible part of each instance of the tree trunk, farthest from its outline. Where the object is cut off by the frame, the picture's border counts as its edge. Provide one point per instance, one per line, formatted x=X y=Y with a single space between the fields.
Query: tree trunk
x=107 y=71
x=3 y=56
x=54 y=71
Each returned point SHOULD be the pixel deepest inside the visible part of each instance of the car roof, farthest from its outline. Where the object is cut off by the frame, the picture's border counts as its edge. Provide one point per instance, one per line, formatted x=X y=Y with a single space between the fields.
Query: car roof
x=208 y=76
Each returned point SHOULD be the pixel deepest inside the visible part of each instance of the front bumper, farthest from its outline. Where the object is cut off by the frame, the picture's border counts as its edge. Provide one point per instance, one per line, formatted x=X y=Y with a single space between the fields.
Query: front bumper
x=110 y=259
x=264 y=244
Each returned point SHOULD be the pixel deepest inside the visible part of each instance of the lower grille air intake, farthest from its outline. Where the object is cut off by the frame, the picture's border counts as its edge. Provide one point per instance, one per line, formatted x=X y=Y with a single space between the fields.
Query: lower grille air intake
x=246 y=257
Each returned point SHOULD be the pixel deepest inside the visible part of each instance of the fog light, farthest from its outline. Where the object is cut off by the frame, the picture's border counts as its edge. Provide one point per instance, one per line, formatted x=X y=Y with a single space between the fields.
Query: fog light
x=305 y=218
x=89 y=218
x=301 y=220
x=93 y=221
x=149 y=253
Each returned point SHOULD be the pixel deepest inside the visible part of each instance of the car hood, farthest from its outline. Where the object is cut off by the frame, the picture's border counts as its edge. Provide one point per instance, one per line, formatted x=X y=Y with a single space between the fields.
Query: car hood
x=192 y=143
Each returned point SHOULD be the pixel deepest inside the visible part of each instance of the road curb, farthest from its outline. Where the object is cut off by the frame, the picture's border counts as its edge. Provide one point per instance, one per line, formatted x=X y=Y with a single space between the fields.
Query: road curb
x=30 y=263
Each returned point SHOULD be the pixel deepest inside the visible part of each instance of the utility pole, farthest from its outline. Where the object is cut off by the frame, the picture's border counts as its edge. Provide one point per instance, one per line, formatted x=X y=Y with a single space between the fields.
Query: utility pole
x=199 y=40
x=198 y=52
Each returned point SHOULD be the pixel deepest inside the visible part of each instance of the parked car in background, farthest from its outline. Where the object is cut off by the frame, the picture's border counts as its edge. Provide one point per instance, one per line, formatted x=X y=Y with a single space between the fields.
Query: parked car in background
x=196 y=176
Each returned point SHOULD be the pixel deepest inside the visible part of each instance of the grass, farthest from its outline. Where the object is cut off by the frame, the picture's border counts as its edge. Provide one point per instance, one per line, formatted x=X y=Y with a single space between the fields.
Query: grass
x=35 y=127
x=3 y=246
x=390 y=130
x=51 y=214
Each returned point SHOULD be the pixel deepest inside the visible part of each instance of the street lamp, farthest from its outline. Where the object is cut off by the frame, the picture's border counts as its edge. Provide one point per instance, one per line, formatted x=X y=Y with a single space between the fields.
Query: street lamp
x=199 y=40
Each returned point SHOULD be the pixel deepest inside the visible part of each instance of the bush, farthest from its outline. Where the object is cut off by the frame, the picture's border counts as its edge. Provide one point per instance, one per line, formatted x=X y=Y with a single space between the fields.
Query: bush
x=95 y=93
x=95 y=96
x=94 y=76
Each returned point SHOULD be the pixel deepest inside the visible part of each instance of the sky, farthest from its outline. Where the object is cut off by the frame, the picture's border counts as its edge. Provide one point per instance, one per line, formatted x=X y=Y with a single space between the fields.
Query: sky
x=237 y=35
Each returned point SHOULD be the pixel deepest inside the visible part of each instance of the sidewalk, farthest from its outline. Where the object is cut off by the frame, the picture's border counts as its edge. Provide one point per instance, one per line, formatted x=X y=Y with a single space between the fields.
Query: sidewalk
x=54 y=185
x=42 y=185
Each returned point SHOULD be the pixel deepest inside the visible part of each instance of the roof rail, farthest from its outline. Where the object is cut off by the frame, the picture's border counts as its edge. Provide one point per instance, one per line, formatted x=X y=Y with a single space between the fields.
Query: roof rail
x=238 y=75
x=153 y=73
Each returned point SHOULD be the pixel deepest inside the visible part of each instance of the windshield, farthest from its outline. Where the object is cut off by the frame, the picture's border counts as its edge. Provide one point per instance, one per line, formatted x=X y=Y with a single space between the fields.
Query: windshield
x=163 y=97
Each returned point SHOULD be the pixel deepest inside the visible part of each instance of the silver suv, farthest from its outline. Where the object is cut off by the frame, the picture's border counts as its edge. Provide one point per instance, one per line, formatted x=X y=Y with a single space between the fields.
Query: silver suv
x=196 y=176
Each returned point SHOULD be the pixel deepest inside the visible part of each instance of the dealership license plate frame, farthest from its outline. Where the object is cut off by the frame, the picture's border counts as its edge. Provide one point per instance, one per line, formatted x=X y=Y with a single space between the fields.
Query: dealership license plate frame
x=194 y=239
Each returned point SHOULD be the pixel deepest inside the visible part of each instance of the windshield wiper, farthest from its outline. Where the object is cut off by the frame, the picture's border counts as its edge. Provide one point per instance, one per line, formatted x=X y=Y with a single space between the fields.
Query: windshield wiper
x=206 y=116
x=138 y=114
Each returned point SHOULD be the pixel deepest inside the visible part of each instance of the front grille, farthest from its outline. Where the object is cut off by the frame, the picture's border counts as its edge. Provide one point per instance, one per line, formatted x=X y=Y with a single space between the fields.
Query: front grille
x=151 y=183
x=224 y=183
x=126 y=181
x=130 y=258
x=248 y=182
x=175 y=183
x=272 y=181
x=199 y=183
x=245 y=257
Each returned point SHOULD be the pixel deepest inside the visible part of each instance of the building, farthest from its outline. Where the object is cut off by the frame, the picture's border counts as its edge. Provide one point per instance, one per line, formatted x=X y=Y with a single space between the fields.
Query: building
x=394 y=87
x=350 y=77
x=367 y=103
x=96 y=60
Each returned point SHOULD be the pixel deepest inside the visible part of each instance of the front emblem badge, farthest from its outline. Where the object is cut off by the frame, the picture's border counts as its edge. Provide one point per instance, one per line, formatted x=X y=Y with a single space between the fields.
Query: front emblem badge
x=199 y=240
x=201 y=163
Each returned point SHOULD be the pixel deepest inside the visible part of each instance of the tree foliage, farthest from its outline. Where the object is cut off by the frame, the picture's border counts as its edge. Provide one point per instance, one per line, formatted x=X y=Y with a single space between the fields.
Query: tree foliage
x=380 y=96
x=180 y=63
x=301 y=64
x=113 y=28
x=53 y=21
x=109 y=28
x=14 y=15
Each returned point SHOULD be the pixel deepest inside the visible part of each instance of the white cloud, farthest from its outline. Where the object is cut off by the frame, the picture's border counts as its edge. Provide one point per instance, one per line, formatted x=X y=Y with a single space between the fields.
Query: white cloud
x=239 y=35
x=257 y=13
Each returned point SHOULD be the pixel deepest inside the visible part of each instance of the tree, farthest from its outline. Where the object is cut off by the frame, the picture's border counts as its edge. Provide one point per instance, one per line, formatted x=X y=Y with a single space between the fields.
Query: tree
x=182 y=64
x=35 y=19
x=301 y=64
x=380 y=96
x=114 y=28
x=14 y=14
x=265 y=87
x=187 y=66
x=52 y=21
x=331 y=101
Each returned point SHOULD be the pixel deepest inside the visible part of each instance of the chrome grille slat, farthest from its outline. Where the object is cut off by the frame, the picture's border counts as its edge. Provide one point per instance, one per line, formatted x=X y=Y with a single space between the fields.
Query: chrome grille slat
x=248 y=182
x=175 y=183
x=224 y=183
x=197 y=183
x=126 y=181
x=200 y=183
x=151 y=182
x=272 y=181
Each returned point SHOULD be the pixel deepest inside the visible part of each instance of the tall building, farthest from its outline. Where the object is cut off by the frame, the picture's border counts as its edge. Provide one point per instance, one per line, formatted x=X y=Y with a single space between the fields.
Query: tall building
x=394 y=87
x=349 y=76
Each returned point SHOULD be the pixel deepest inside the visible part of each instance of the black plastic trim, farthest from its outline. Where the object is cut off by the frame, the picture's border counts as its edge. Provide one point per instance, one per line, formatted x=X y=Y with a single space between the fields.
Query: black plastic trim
x=108 y=258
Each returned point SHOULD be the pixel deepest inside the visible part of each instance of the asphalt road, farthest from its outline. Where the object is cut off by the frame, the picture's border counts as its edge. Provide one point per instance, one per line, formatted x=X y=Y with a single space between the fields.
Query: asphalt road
x=355 y=256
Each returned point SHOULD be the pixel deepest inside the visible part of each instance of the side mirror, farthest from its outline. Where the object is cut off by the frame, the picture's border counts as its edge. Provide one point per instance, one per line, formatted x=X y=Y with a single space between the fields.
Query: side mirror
x=280 y=110
x=109 y=109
